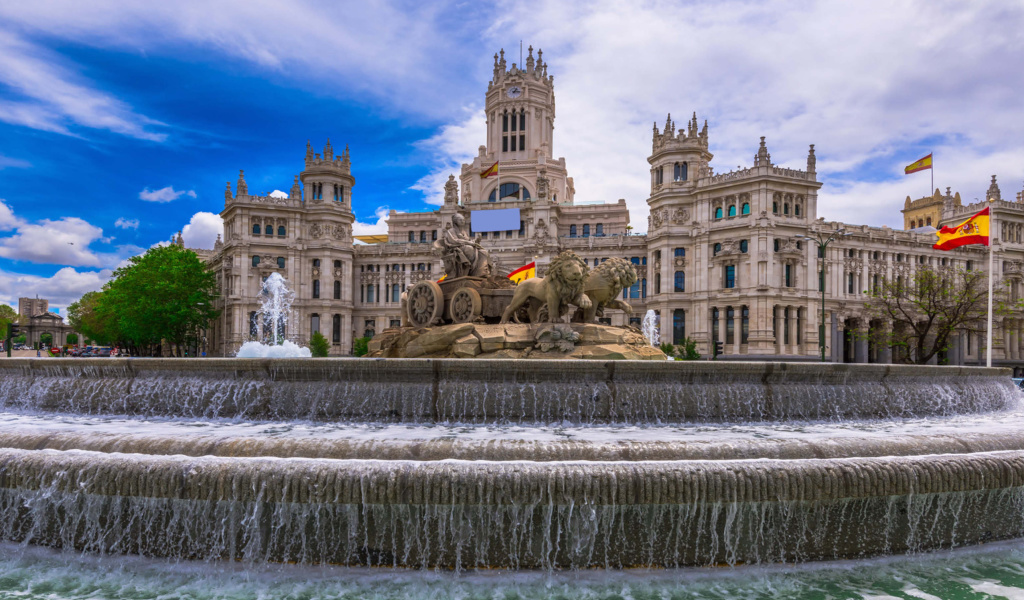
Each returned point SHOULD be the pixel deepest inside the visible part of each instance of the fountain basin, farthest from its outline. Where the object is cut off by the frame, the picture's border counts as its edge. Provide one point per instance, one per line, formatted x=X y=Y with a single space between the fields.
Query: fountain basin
x=498 y=391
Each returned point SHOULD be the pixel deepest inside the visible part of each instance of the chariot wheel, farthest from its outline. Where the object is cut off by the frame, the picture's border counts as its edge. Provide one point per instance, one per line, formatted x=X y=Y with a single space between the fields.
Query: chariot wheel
x=426 y=304
x=465 y=305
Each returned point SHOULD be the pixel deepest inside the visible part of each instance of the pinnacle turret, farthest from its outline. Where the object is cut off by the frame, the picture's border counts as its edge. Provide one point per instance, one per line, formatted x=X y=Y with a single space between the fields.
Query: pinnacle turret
x=328 y=150
x=812 y=161
x=993 y=191
x=243 y=189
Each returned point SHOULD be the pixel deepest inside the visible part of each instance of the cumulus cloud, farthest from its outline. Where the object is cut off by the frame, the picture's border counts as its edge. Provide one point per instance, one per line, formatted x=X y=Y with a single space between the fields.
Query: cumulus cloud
x=166 y=194
x=450 y=147
x=8 y=220
x=64 y=241
x=202 y=230
x=379 y=227
x=123 y=223
x=278 y=194
x=53 y=97
x=61 y=289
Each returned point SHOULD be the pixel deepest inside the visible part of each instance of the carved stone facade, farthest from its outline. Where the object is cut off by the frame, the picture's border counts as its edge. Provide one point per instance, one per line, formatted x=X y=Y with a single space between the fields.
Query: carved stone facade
x=724 y=258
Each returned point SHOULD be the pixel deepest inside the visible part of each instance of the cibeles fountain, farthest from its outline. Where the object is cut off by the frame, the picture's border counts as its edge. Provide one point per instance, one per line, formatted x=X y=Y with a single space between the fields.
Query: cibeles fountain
x=502 y=461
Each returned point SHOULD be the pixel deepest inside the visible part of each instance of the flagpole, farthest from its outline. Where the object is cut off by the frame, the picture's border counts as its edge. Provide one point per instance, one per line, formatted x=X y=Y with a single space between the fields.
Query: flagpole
x=988 y=338
x=932 y=171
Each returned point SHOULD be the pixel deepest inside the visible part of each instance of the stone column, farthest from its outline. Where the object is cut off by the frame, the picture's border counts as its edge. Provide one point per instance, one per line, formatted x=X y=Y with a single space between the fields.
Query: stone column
x=1015 y=339
x=737 y=328
x=860 y=345
x=794 y=313
x=721 y=328
x=838 y=340
x=780 y=335
x=884 y=349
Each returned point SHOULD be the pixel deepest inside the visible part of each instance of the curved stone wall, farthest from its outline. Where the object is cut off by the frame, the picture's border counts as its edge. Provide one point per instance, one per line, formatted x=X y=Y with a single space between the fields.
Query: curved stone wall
x=497 y=391
x=517 y=515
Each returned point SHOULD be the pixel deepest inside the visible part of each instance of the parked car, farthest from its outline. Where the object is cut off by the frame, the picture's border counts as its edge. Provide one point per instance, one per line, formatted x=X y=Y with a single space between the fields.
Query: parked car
x=103 y=352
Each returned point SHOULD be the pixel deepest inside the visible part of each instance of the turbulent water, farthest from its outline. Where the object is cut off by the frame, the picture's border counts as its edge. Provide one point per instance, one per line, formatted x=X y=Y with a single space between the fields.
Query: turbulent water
x=985 y=572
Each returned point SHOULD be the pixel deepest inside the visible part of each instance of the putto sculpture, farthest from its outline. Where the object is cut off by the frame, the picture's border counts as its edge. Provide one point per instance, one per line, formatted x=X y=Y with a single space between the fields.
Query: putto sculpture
x=560 y=287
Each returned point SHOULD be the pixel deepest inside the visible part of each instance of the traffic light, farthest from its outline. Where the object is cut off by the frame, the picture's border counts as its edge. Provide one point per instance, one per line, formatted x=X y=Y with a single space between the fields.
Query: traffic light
x=718 y=350
x=13 y=330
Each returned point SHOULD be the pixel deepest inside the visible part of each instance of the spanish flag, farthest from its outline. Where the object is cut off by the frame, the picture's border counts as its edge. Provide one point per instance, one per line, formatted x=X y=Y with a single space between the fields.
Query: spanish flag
x=971 y=231
x=920 y=165
x=523 y=273
x=490 y=172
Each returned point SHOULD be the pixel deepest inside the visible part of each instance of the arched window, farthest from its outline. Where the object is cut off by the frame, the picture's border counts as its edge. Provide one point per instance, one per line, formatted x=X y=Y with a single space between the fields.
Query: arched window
x=677 y=172
x=336 y=329
x=586 y=231
x=743 y=246
x=718 y=213
x=796 y=210
x=717 y=248
x=785 y=208
x=680 y=281
x=256 y=261
x=270 y=230
x=280 y=230
x=684 y=171
x=337 y=290
x=280 y=262
x=732 y=210
x=678 y=326
x=746 y=208
x=314 y=323
x=509 y=191
x=316 y=288
x=929 y=221
x=572 y=231
x=256 y=229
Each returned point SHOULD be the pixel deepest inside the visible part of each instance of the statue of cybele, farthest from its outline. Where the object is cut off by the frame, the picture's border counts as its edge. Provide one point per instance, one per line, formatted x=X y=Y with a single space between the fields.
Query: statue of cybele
x=463 y=256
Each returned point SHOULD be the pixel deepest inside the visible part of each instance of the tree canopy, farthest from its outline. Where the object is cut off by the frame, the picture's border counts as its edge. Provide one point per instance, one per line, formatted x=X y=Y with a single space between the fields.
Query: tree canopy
x=928 y=307
x=7 y=315
x=164 y=295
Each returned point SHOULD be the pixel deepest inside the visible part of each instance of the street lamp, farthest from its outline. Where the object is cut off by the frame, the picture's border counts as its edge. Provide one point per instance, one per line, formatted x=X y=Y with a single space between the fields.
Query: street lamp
x=823 y=241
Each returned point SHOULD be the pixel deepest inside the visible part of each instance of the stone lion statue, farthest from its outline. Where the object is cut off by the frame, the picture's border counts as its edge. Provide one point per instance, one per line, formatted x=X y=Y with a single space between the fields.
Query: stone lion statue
x=561 y=286
x=604 y=287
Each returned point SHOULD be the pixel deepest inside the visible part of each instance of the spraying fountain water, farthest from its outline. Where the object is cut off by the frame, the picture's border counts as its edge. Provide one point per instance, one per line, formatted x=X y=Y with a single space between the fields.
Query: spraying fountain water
x=274 y=314
x=650 y=328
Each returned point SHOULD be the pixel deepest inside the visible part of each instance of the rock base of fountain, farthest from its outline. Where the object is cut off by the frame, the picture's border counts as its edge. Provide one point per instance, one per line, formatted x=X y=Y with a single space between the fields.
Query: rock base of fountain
x=541 y=340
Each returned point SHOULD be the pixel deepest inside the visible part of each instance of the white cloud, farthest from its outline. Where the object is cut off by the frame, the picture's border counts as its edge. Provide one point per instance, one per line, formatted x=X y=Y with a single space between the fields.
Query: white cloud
x=278 y=194
x=124 y=223
x=380 y=227
x=6 y=162
x=453 y=145
x=202 y=230
x=54 y=97
x=167 y=194
x=61 y=289
x=8 y=220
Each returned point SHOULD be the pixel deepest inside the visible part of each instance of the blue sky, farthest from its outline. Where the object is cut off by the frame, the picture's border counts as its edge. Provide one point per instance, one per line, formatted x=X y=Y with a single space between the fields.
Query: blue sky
x=121 y=121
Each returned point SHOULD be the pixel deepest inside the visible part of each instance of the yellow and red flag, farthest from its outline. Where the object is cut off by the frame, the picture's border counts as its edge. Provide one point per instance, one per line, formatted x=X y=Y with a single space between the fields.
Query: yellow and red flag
x=971 y=231
x=490 y=171
x=523 y=273
x=919 y=165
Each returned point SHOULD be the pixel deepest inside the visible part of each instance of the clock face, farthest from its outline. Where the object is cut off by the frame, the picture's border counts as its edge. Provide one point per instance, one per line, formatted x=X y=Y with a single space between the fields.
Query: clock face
x=514 y=91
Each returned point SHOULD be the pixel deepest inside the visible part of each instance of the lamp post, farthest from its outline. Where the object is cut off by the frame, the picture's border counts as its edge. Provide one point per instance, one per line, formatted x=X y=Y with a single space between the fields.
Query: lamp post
x=822 y=241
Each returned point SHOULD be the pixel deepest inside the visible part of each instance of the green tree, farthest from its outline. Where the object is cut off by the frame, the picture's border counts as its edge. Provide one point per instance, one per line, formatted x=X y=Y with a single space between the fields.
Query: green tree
x=46 y=339
x=928 y=307
x=318 y=345
x=72 y=338
x=7 y=315
x=360 y=346
x=164 y=295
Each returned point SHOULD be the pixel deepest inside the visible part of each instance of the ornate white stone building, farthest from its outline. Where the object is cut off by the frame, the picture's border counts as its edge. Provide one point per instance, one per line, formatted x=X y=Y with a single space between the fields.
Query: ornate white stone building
x=724 y=257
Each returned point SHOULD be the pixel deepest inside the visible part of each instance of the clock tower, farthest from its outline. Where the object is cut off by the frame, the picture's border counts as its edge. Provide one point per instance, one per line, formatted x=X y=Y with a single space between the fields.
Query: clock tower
x=520 y=110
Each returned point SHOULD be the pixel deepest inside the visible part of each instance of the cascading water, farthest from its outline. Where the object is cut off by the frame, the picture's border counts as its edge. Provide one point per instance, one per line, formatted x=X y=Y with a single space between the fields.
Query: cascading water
x=650 y=328
x=274 y=313
x=512 y=464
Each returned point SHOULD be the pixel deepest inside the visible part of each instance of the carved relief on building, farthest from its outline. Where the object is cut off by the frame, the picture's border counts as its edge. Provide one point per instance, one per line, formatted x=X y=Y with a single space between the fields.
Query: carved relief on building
x=316 y=231
x=369 y=277
x=680 y=216
x=877 y=267
x=854 y=265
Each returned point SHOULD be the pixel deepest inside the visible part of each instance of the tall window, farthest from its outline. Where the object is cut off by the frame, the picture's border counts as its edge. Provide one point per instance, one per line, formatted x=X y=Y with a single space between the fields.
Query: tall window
x=785 y=211
x=732 y=210
x=714 y=325
x=256 y=229
x=254 y=326
x=269 y=230
x=679 y=172
x=718 y=212
x=788 y=276
x=396 y=293
x=337 y=290
x=659 y=176
x=281 y=231
x=369 y=294
x=746 y=208
x=336 y=329
x=744 y=246
x=634 y=290
x=600 y=229
x=680 y=281
x=280 y=262
x=716 y=249
x=316 y=288
x=849 y=283
x=678 y=326
x=314 y=323
x=513 y=130
x=256 y=261
x=412 y=236
x=730 y=276
x=796 y=211
x=744 y=325
x=730 y=326
x=586 y=231
x=657 y=283
x=572 y=231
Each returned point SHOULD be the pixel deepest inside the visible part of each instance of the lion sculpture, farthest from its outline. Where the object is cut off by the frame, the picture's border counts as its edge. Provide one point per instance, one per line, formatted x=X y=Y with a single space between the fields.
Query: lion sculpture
x=604 y=286
x=561 y=286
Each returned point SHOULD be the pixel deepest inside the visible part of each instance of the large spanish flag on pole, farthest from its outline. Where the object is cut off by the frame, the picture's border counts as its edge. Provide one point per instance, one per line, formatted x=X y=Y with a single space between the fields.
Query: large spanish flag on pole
x=971 y=231
x=489 y=172
x=919 y=165
x=523 y=273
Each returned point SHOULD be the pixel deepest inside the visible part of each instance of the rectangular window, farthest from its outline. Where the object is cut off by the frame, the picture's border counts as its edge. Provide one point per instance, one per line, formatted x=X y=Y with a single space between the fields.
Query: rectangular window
x=634 y=290
x=314 y=323
x=504 y=144
x=522 y=142
x=745 y=325
x=730 y=326
x=730 y=276
x=369 y=294
x=337 y=329
x=714 y=325
x=789 y=276
x=504 y=122
x=680 y=252
x=678 y=326
x=513 y=138
x=522 y=120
